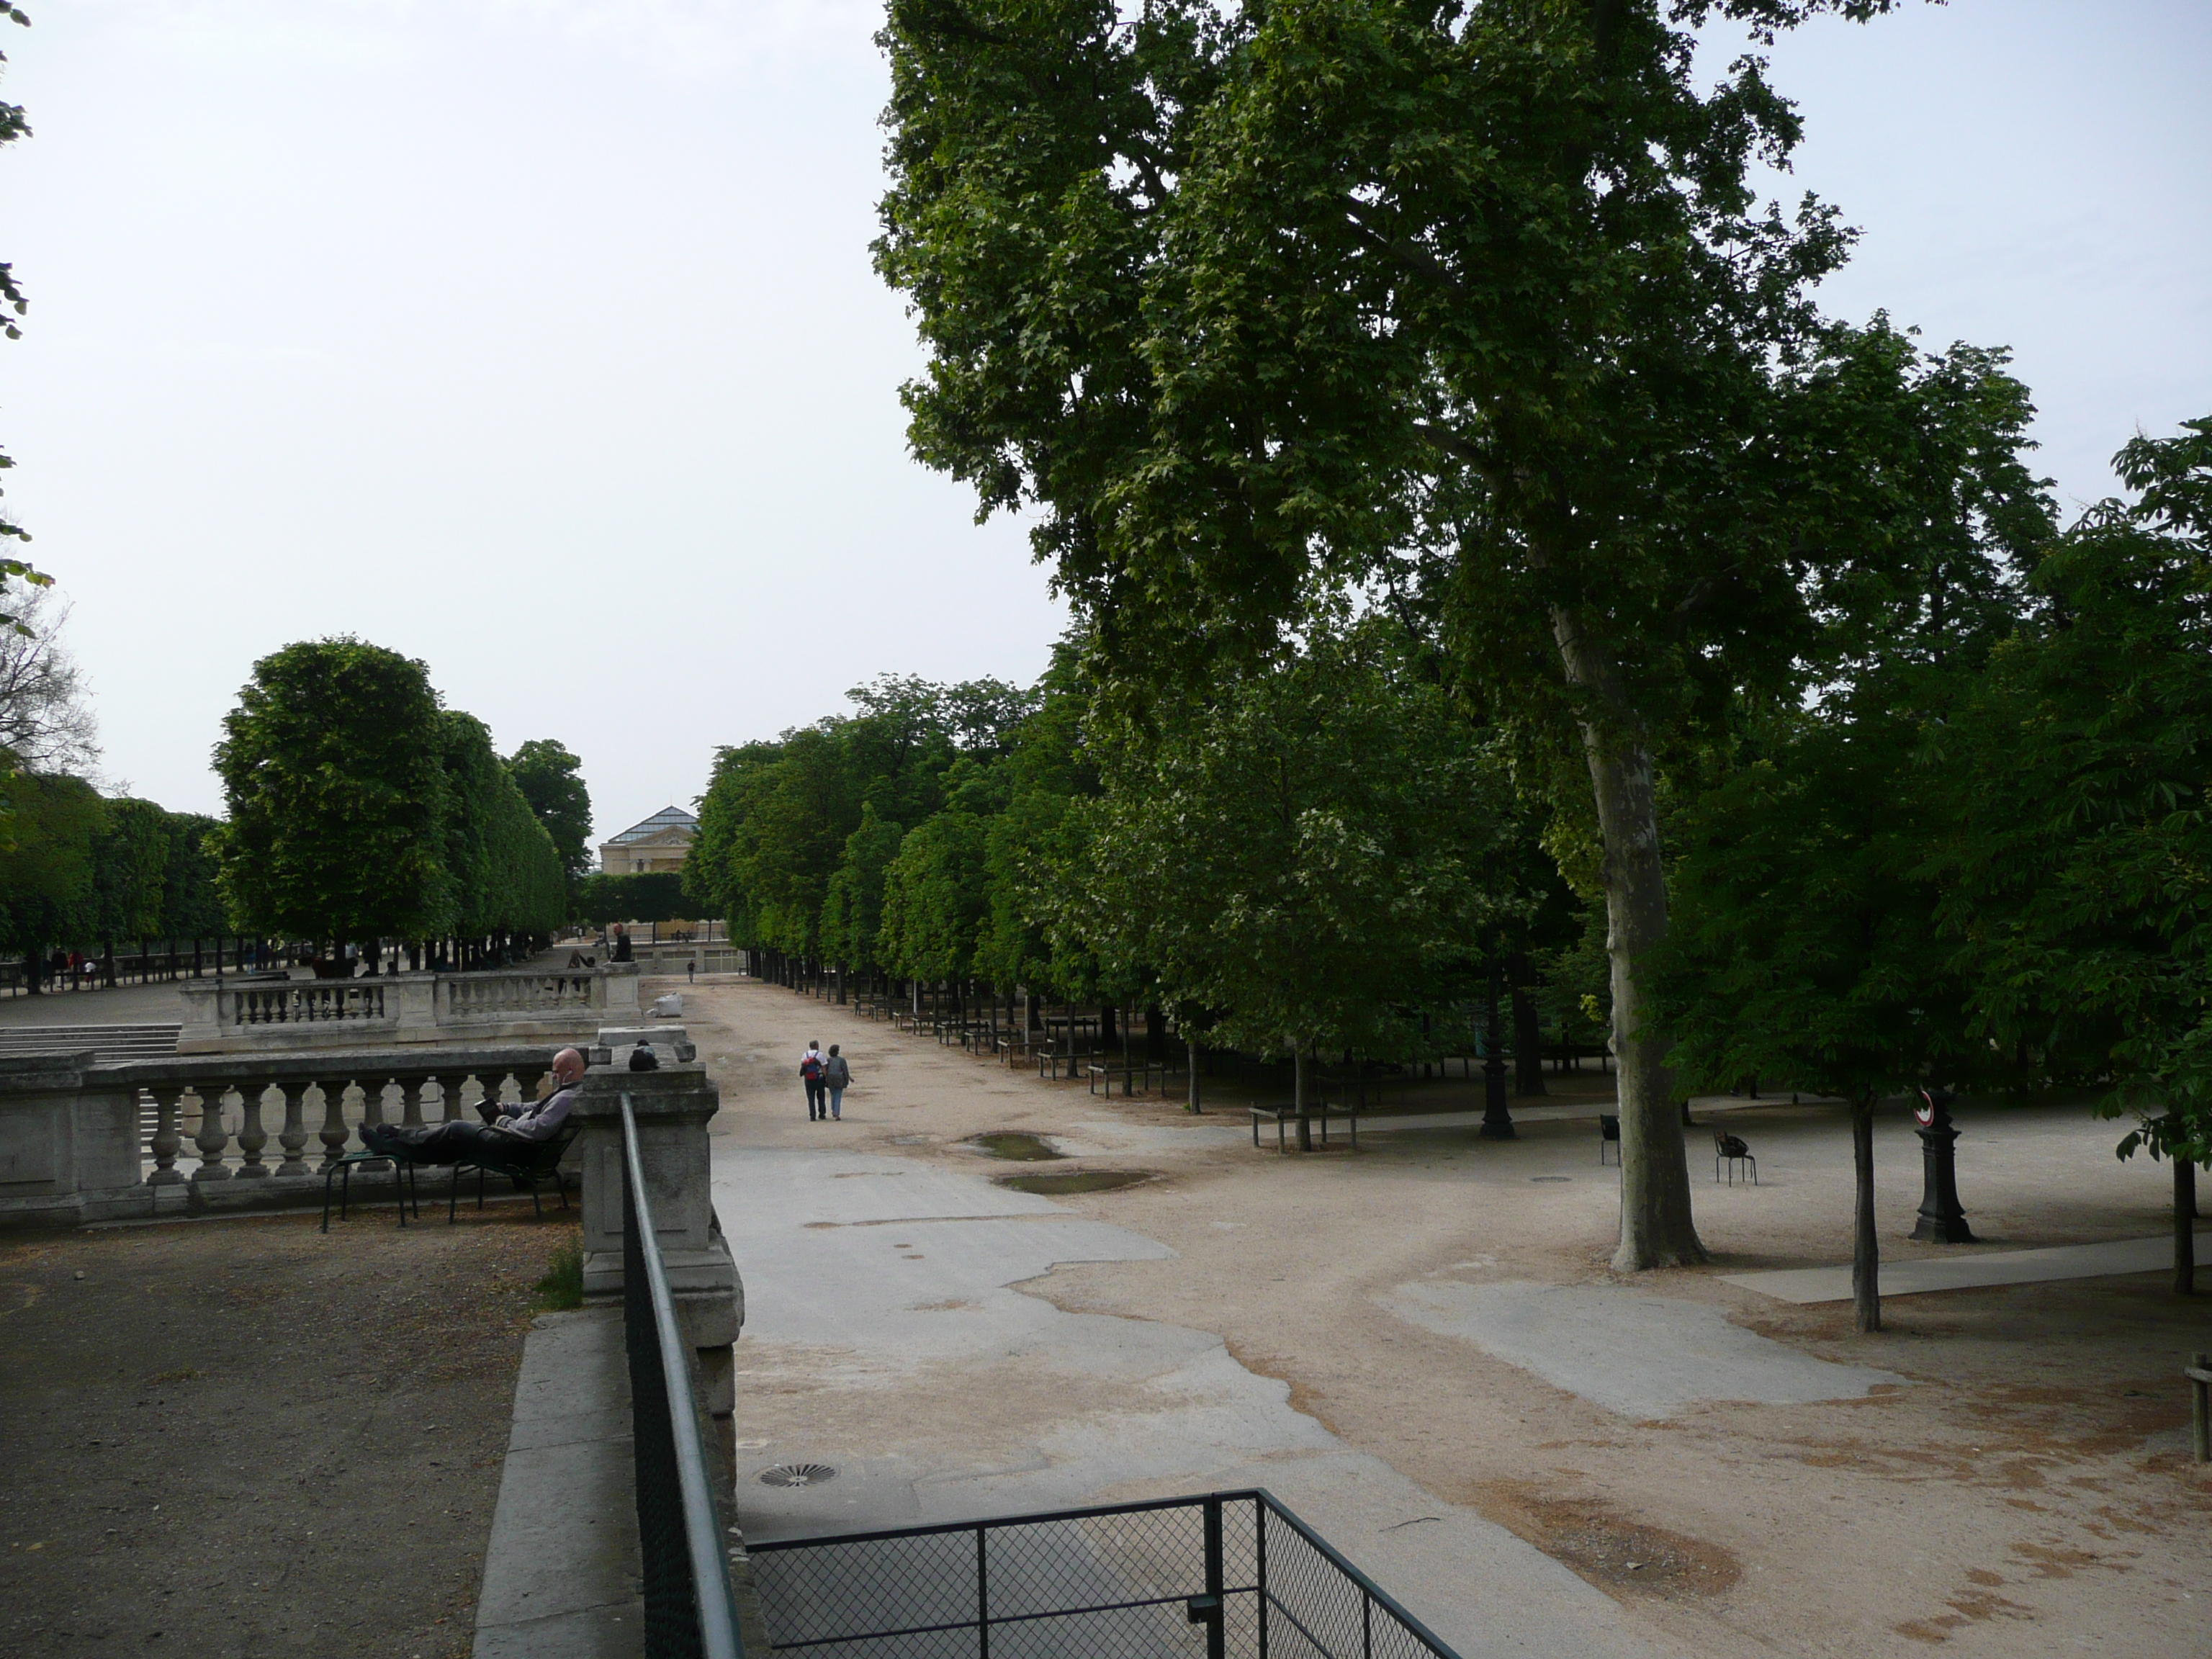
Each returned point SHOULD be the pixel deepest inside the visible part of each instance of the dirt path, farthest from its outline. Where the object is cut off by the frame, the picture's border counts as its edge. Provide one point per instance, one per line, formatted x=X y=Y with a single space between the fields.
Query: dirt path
x=2022 y=1485
x=245 y=1438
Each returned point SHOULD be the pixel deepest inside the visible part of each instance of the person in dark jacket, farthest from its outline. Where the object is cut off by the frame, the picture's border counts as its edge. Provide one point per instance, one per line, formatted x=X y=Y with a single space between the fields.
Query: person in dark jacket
x=836 y=1078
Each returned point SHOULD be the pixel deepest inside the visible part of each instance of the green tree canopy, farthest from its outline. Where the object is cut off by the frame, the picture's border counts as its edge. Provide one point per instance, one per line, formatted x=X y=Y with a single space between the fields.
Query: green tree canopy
x=551 y=780
x=777 y=819
x=46 y=863
x=1473 y=306
x=332 y=763
x=362 y=809
x=2078 y=877
x=1304 y=855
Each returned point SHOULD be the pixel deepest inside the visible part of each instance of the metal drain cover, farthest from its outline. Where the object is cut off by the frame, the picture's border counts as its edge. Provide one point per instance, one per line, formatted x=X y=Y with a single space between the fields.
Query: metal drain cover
x=798 y=1474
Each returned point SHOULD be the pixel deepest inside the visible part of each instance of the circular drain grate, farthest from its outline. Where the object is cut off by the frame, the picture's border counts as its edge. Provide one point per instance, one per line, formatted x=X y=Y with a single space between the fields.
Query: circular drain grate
x=798 y=1474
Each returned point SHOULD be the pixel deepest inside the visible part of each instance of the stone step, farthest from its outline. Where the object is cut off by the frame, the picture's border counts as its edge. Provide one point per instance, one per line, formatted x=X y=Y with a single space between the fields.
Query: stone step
x=109 y=1044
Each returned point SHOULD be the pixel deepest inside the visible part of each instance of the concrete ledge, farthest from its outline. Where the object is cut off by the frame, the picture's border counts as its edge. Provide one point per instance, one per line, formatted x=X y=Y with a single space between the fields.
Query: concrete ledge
x=561 y=1573
x=1975 y=1271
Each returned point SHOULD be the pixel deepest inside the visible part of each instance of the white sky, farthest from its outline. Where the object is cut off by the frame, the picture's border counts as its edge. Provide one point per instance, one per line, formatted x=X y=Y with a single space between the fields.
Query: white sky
x=537 y=338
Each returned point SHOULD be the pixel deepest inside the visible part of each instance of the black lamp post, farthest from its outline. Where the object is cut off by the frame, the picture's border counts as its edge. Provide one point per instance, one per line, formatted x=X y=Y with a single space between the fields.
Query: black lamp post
x=1942 y=1217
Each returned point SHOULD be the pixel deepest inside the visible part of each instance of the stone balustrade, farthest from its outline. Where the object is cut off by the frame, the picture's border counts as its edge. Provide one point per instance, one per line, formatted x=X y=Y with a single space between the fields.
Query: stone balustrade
x=229 y=1131
x=255 y=1015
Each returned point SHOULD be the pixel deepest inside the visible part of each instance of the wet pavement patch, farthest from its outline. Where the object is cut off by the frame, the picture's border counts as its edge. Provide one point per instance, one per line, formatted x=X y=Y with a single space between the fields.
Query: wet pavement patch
x=1074 y=1181
x=1017 y=1144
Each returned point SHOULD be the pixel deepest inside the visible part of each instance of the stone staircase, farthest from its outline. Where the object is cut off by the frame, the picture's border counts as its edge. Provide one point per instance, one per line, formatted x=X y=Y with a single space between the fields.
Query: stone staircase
x=110 y=1044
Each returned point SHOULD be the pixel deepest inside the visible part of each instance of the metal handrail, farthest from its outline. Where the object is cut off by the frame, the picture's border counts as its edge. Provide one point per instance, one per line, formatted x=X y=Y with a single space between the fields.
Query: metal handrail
x=1373 y=1595
x=715 y=1609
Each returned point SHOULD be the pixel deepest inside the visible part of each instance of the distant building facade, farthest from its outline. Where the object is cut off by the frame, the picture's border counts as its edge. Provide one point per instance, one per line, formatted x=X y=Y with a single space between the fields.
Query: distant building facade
x=658 y=844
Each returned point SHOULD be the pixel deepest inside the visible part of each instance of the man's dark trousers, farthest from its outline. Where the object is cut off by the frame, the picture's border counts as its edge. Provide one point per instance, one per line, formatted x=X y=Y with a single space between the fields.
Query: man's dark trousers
x=436 y=1142
x=817 y=1099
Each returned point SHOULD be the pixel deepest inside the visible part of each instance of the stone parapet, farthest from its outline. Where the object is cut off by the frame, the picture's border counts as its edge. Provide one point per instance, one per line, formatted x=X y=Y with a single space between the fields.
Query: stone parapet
x=507 y=1005
x=69 y=1150
x=671 y=1108
x=262 y=1127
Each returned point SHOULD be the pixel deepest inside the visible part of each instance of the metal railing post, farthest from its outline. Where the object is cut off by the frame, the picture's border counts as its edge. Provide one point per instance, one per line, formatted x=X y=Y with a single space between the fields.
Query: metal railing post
x=1259 y=1549
x=982 y=1596
x=689 y=1613
x=1217 y=1631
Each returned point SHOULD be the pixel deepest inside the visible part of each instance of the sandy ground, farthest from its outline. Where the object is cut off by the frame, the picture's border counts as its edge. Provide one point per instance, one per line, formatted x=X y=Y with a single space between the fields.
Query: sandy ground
x=245 y=1438
x=2001 y=1471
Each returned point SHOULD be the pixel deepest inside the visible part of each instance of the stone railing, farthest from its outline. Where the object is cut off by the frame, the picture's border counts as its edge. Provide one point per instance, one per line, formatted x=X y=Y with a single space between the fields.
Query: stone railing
x=251 y=1016
x=253 y=1131
x=466 y=997
x=299 y=1002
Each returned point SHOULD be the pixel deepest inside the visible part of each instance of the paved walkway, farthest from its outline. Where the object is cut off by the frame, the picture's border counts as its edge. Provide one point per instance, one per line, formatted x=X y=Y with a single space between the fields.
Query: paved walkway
x=1969 y=1272
x=884 y=1293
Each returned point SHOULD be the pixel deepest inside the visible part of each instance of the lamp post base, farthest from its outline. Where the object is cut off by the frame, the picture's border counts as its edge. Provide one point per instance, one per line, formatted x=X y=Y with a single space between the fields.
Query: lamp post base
x=1942 y=1217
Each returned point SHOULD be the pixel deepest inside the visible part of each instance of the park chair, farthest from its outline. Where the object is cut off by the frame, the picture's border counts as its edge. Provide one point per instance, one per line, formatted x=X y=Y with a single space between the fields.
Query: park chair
x=527 y=1162
x=1608 y=1135
x=342 y=1169
x=1731 y=1149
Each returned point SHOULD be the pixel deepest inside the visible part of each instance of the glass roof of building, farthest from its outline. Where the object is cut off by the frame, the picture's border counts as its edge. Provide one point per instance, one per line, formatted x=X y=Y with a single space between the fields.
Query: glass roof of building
x=668 y=817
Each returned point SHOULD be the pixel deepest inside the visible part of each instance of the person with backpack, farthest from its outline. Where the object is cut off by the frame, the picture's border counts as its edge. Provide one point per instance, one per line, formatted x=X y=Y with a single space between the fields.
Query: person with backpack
x=836 y=1078
x=810 y=1072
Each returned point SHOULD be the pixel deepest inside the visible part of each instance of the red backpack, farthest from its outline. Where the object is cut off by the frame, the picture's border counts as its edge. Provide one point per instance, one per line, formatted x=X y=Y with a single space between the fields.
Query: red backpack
x=811 y=1067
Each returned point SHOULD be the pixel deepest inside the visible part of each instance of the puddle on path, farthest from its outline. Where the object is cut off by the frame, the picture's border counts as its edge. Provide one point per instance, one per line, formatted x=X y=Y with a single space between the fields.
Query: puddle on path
x=1017 y=1144
x=1074 y=1181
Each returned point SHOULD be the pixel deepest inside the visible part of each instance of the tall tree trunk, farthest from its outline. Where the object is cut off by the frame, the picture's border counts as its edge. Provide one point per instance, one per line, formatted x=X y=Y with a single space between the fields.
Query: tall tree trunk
x=1528 y=1045
x=2185 y=1227
x=1298 y=1096
x=1656 y=1227
x=1196 y=1090
x=1866 y=1248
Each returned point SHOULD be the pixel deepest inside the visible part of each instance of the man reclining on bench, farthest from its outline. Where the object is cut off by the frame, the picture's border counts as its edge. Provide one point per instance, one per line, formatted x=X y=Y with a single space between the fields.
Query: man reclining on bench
x=449 y=1143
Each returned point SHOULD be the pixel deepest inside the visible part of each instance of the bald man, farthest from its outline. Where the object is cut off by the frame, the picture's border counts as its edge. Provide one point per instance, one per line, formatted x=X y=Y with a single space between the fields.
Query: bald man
x=446 y=1142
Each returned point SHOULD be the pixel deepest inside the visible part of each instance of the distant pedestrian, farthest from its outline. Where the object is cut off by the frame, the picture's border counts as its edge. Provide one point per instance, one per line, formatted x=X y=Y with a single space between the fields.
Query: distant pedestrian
x=622 y=942
x=691 y=972
x=810 y=1072
x=836 y=1078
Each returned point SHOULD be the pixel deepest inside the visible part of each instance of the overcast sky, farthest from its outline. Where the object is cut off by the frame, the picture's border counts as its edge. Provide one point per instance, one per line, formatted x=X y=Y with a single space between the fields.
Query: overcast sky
x=537 y=338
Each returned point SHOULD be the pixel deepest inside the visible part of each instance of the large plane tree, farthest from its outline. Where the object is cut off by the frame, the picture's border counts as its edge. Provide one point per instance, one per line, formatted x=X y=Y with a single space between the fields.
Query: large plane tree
x=1467 y=305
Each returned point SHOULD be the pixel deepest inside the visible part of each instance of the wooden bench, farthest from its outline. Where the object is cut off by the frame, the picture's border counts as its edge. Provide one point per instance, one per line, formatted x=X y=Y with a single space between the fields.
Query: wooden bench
x=1287 y=1114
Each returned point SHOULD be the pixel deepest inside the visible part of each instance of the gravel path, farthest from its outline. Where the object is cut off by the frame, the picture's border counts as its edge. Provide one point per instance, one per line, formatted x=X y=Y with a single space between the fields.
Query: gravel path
x=243 y=1438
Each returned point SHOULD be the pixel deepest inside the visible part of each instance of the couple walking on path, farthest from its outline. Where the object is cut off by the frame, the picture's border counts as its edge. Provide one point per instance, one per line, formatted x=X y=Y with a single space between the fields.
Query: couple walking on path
x=827 y=1077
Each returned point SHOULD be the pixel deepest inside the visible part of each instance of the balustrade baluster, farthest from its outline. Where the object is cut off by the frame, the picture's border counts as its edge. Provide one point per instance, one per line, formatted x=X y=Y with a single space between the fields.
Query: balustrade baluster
x=293 y=1138
x=371 y=1105
x=449 y=1092
x=167 y=1098
x=333 y=1133
x=212 y=1138
x=410 y=1098
x=251 y=1137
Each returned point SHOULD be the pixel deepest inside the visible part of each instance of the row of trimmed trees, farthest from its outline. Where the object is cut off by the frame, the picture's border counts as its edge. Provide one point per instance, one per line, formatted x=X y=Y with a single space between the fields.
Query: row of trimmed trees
x=81 y=872
x=362 y=809
x=1317 y=857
